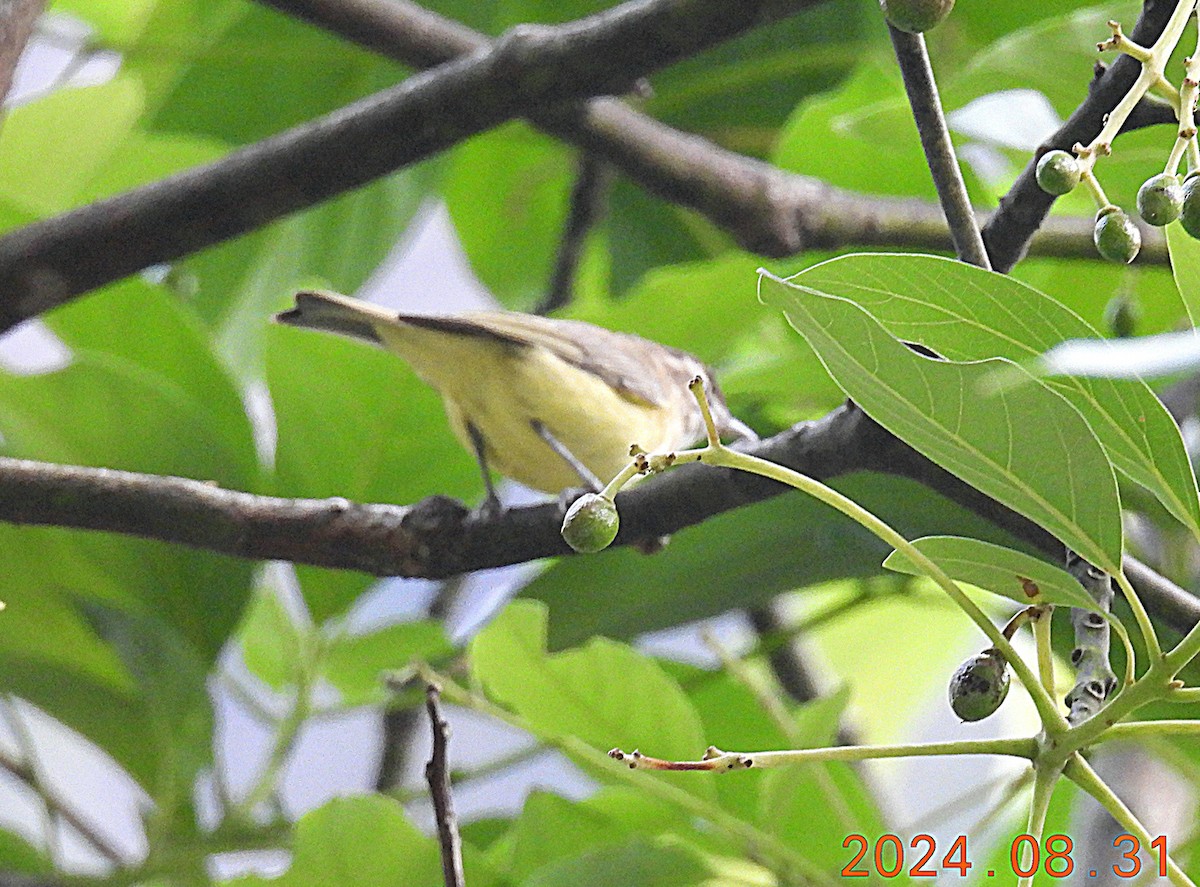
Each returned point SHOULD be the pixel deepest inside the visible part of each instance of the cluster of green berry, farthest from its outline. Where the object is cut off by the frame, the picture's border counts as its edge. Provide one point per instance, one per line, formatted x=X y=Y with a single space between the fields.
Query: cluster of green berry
x=1161 y=200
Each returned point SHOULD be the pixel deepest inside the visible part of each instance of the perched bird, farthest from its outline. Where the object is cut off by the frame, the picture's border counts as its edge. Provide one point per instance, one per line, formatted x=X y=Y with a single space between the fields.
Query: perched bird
x=549 y=403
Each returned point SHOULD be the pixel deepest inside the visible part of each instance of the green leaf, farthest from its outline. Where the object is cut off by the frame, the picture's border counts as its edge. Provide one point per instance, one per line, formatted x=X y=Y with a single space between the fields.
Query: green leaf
x=1027 y=580
x=1185 y=265
x=507 y=192
x=645 y=233
x=552 y=828
x=170 y=342
x=106 y=411
x=273 y=645
x=604 y=692
x=337 y=245
x=1025 y=447
x=171 y=677
x=355 y=664
x=364 y=841
x=824 y=132
x=52 y=148
x=262 y=64
x=965 y=313
x=643 y=862
x=354 y=421
x=18 y=855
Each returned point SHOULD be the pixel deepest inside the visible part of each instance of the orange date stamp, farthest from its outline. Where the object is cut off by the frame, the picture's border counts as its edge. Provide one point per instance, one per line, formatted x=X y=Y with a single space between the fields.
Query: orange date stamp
x=887 y=857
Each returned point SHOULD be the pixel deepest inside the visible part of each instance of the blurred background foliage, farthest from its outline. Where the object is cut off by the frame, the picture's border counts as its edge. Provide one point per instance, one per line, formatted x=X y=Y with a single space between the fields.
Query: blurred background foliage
x=128 y=643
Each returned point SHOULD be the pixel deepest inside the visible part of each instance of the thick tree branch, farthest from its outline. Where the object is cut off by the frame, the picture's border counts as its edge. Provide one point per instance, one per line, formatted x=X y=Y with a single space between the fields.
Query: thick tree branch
x=532 y=72
x=1025 y=207
x=17 y=18
x=767 y=210
x=530 y=68
x=438 y=537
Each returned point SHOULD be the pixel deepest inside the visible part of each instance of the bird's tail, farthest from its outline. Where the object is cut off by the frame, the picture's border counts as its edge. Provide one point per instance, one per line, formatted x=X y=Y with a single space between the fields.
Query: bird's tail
x=335 y=313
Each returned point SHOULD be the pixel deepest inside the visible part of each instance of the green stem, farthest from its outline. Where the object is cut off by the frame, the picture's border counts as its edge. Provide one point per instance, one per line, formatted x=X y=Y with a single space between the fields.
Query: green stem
x=1081 y=773
x=1017 y=748
x=1133 y=729
x=1045 y=777
x=1184 y=652
x=718 y=455
x=286 y=733
x=1149 y=637
x=1045 y=647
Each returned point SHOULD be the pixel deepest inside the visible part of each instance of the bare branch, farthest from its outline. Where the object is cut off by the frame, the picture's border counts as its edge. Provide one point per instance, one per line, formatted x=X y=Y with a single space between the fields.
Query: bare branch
x=438 y=537
x=17 y=18
x=935 y=141
x=530 y=68
x=768 y=211
x=588 y=194
x=437 y=774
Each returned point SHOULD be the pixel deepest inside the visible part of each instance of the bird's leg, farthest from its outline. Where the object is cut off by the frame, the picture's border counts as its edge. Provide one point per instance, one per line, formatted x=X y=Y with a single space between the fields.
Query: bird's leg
x=590 y=480
x=490 y=507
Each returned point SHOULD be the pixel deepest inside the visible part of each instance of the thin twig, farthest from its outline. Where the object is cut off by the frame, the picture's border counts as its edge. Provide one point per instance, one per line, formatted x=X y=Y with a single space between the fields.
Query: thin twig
x=532 y=67
x=25 y=772
x=437 y=774
x=935 y=140
x=584 y=209
x=437 y=537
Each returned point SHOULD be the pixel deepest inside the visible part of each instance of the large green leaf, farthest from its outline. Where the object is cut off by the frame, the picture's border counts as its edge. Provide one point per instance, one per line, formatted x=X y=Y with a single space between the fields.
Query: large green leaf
x=364 y=841
x=587 y=691
x=1185 y=264
x=642 y=862
x=507 y=192
x=18 y=855
x=741 y=558
x=1018 y=576
x=168 y=340
x=1026 y=446
x=552 y=828
x=355 y=664
x=51 y=149
x=965 y=313
x=107 y=411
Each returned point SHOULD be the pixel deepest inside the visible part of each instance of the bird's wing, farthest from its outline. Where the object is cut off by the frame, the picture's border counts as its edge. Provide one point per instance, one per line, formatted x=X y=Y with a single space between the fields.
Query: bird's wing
x=602 y=352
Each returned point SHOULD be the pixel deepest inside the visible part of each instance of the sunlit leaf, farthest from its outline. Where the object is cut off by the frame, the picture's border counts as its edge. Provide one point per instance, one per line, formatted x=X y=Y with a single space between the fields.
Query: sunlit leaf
x=1002 y=444
x=964 y=313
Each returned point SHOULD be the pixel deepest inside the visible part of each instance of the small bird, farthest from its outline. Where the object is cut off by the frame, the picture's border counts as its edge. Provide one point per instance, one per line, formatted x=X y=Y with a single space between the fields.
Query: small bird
x=549 y=403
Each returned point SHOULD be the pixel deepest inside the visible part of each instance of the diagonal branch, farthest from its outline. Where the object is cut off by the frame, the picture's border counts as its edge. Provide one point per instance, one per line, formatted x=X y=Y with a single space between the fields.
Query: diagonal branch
x=438 y=537
x=768 y=211
x=531 y=67
x=1025 y=207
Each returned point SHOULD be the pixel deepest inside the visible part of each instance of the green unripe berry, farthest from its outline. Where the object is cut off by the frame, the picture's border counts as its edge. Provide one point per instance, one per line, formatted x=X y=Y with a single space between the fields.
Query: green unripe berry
x=979 y=685
x=1121 y=315
x=591 y=523
x=915 y=16
x=1189 y=215
x=1160 y=199
x=1117 y=238
x=1058 y=172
